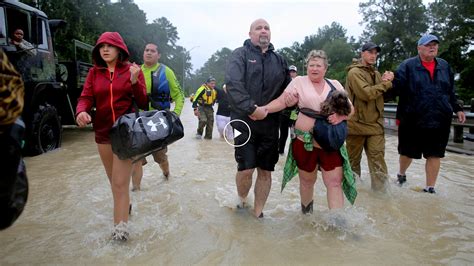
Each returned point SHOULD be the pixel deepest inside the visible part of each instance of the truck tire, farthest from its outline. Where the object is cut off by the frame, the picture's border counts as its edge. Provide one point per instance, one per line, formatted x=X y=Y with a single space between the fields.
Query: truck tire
x=46 y=132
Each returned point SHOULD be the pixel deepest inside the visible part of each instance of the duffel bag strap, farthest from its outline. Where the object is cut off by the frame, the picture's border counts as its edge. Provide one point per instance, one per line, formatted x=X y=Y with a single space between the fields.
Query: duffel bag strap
x=137 y=114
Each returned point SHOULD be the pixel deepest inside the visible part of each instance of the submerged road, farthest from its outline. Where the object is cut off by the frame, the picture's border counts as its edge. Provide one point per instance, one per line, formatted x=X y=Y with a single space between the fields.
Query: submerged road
x=191 y=219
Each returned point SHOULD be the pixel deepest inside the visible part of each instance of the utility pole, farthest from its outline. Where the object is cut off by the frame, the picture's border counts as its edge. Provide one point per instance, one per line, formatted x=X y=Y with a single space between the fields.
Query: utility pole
x=184 y=63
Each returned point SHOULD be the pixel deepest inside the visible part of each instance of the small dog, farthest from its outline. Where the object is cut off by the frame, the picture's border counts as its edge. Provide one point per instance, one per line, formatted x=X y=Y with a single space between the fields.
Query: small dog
x=337 y=102
x=330 y=137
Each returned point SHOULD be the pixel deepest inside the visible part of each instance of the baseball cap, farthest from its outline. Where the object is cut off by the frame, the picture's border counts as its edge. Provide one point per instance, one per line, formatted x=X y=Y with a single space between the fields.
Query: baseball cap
x=427 y=38
x=293 y=68
x=369 y=46
x=210 y=79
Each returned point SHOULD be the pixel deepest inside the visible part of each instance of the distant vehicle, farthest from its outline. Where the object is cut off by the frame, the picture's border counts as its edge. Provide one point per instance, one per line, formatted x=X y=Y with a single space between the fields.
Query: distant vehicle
x=51 y=87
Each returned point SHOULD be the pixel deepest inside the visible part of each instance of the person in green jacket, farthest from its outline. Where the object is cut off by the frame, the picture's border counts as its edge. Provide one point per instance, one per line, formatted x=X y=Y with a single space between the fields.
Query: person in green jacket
x=366 y=87
x=162 y=88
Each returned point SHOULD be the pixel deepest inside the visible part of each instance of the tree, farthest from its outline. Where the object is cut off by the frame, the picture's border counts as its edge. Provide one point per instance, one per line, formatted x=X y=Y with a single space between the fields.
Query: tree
x=396 y=26
x=87 y=19
x=466 y=80
x=165 y=35
x=127 y=19
x=84 y=22
x=294 y=56
x=333 y=40
x=162 y=33
x=214 y=67
x=452 y=22
x=340 y=55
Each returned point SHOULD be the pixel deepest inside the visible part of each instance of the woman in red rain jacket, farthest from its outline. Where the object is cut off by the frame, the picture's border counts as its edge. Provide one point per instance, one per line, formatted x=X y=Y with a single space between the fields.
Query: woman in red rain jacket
x=110 y=86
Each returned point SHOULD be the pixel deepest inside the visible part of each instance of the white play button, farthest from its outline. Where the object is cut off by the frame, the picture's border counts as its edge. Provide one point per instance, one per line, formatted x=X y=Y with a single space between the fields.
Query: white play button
x=237 y=133
x=241 y=130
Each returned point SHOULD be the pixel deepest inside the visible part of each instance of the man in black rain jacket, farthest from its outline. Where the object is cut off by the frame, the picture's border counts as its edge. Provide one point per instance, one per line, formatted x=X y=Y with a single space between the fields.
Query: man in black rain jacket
x=255 y=76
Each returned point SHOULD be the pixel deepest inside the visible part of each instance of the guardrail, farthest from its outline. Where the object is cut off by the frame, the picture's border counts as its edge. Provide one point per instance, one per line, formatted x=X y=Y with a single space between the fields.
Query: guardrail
x=390 y=110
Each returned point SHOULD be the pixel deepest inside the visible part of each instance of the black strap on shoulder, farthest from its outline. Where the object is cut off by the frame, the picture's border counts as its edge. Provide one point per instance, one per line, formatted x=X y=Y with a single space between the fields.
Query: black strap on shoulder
x=314 y=114
x=331 y=86
x=153 y=92
x=311 y=113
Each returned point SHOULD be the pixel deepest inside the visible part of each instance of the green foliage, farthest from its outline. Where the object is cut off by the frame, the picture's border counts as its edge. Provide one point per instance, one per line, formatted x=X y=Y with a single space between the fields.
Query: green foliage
x=465 y=87
x=396 y=26
x=325 y=35
x=340 y=56
x=452 y=22
x=162 y=33
x=87 y=19
x=333 y=40
x=84 y=22
x=126 y=18
x=214 y=66
x=294 y=56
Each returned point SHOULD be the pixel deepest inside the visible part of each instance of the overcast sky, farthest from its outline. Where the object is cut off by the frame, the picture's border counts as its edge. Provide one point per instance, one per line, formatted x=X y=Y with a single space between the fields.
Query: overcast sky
x=210 y=25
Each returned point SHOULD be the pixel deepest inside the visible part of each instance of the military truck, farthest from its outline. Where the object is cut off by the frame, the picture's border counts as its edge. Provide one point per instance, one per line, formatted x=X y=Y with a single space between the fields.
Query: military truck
x=51 y=87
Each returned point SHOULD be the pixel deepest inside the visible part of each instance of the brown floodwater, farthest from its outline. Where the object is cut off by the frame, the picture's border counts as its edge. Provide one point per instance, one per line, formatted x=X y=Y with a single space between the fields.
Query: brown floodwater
x=192 y=219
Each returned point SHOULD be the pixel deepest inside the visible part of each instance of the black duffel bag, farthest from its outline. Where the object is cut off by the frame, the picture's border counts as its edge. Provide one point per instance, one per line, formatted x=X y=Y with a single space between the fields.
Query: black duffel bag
x=137 y=135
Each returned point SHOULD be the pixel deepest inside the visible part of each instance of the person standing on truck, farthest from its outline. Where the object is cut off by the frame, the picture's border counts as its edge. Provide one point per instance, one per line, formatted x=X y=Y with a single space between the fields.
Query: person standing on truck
x=161 y=87
x=111 y=85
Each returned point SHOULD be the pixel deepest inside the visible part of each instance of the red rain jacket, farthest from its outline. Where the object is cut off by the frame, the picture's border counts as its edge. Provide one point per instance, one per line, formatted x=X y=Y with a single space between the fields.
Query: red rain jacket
x=110 y=94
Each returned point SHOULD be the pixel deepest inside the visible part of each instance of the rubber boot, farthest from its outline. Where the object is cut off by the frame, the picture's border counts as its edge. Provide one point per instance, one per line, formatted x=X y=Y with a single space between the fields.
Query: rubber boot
x=308 y=208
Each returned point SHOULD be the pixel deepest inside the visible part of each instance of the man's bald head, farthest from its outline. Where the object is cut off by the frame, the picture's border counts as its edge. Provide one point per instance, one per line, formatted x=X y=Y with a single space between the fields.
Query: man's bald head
x=260 y=33
x=256 y=22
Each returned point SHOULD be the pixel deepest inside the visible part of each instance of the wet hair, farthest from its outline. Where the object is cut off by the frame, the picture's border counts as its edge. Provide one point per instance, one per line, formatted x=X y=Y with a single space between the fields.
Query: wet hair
x=313 y=54
x=337 y=102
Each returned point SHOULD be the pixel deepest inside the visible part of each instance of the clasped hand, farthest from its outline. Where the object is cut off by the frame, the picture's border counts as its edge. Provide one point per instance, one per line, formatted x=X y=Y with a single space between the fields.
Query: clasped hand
x=388 y=76
x=260 y=113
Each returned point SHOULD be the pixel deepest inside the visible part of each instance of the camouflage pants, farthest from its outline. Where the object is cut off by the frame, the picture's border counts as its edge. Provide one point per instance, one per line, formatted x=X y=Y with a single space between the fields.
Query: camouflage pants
x=206 y=119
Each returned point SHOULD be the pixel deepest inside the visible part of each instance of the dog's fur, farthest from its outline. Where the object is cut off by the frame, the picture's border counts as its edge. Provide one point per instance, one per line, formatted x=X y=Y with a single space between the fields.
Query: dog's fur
x=337 y=102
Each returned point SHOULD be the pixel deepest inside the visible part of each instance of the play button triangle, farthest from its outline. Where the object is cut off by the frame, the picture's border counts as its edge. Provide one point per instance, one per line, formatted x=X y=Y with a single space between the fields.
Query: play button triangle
x=237 y=133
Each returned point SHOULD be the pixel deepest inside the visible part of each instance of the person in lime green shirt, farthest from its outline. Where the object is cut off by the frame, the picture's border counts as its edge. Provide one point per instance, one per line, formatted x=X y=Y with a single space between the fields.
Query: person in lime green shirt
x=162 y=88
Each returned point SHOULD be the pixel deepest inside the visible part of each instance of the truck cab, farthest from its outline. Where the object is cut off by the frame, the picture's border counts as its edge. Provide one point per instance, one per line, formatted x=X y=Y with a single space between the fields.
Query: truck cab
x=46 y=85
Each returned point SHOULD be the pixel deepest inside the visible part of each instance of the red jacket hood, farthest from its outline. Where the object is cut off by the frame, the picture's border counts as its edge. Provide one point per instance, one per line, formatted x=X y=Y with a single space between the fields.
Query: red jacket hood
x=112 y=38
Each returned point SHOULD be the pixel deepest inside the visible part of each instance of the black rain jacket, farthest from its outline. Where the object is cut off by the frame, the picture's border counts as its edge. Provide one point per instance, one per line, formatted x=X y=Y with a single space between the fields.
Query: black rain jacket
x=254 y=78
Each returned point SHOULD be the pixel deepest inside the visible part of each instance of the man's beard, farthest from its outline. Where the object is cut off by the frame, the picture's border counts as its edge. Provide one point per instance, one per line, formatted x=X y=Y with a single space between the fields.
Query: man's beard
x=264 y=41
